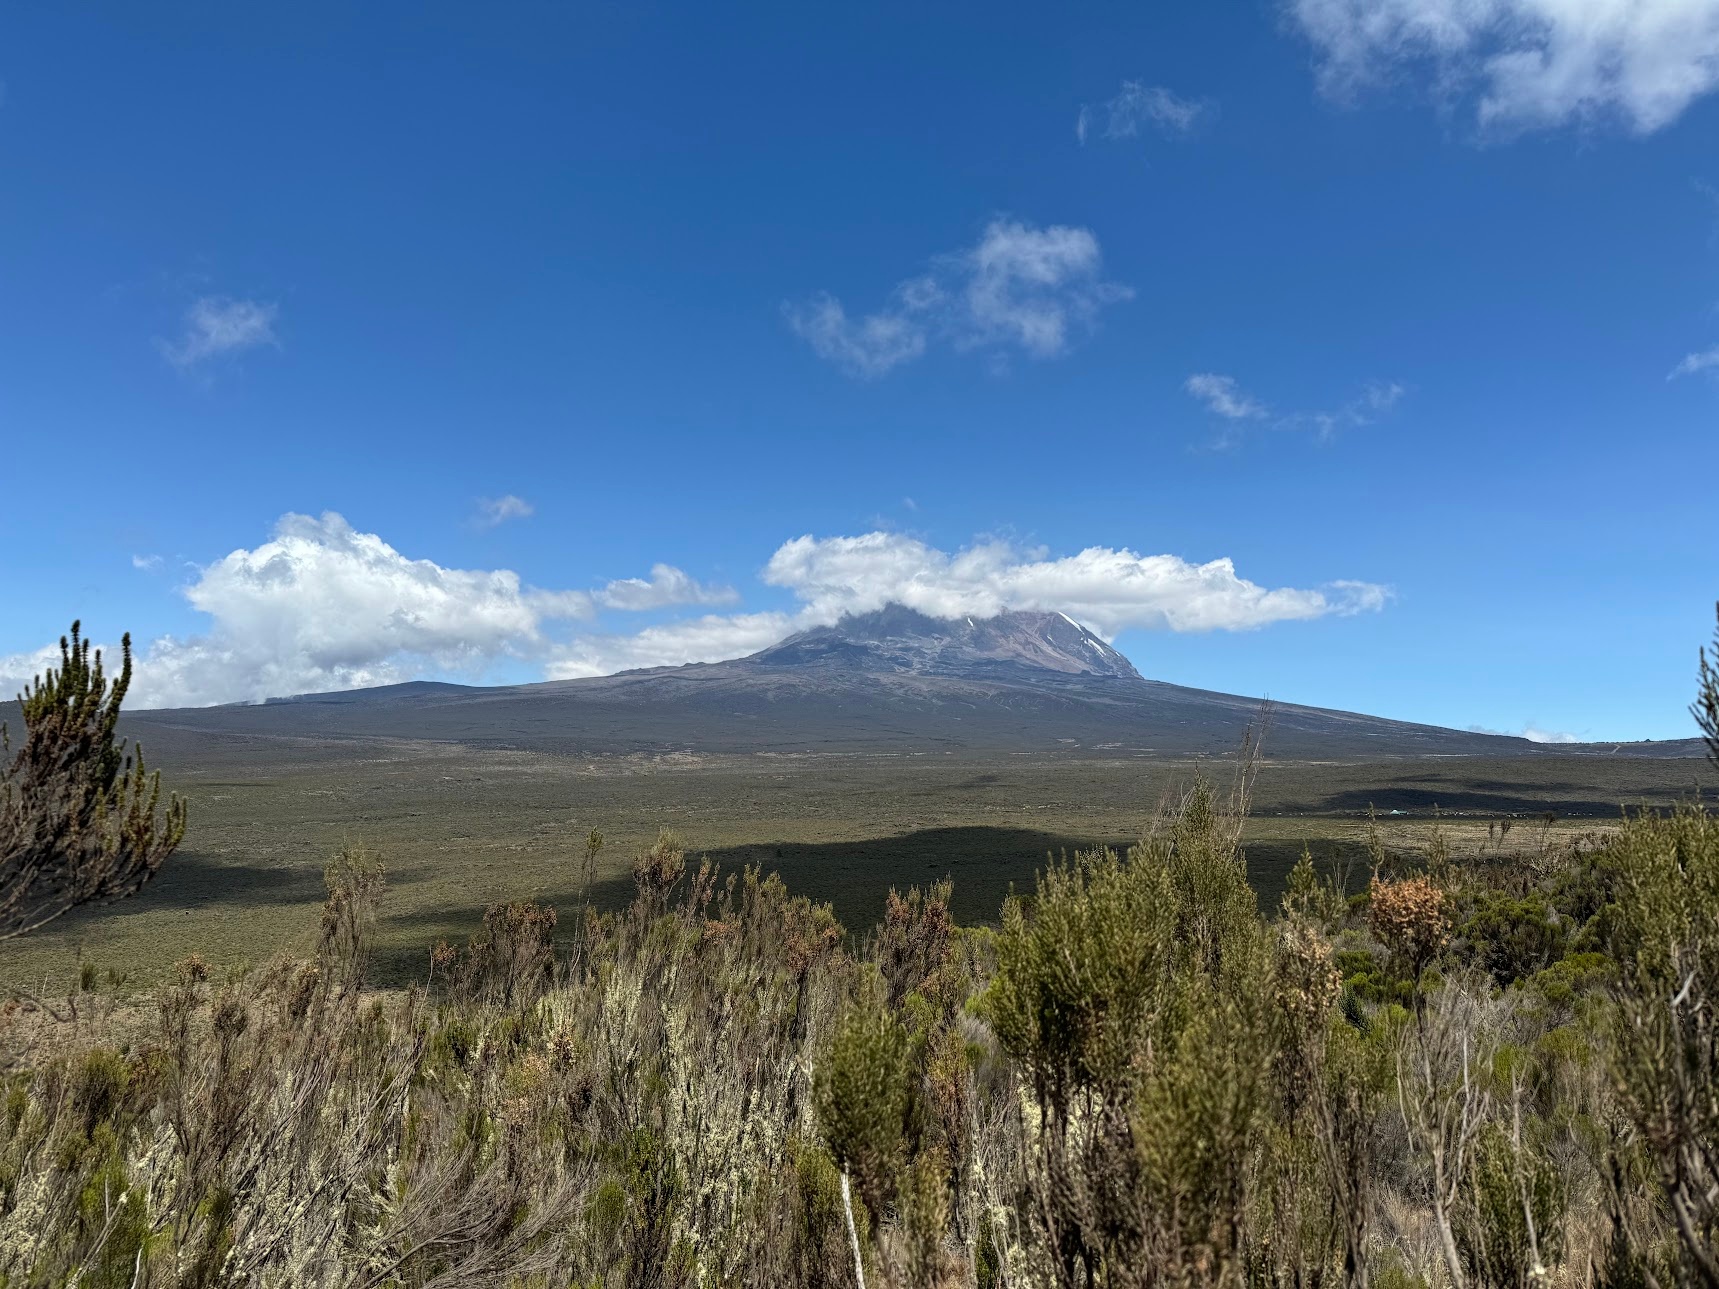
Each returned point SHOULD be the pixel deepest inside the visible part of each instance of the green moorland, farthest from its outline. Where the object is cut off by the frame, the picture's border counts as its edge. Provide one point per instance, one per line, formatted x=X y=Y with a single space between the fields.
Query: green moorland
x=459 y=829
x=1478 y=1055
x=1494 y=1067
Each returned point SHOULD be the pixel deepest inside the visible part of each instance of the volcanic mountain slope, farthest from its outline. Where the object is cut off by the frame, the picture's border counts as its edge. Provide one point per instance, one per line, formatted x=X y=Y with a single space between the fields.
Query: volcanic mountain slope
x=898 y=640
x=893 y=681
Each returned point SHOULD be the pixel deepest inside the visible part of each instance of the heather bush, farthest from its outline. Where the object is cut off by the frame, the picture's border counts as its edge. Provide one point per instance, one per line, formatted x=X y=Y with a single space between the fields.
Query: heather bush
x=1662 y=934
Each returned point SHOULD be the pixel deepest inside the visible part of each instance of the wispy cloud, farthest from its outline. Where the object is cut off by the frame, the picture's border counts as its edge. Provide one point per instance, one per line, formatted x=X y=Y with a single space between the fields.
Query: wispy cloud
x=1224 y=397
x=1693 y=364
x=146 y=563
x=1018 y=289
x=1138 y=107
x=868 y=346
x=1524 y=64
x=498 y=510
x=1375 y=399
x=216 y=325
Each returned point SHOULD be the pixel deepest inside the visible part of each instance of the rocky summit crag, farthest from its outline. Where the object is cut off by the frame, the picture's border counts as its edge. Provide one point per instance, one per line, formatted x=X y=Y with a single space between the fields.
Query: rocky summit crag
x=897 y=639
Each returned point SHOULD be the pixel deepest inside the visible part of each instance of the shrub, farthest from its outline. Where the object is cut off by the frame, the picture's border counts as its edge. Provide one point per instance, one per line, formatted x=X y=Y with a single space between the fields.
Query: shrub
x=865 y=1099
x=657 y=870
x=512 y=959
x=1511 y=1229
x=1663 y=934
x=80 y=817
x=1511 y=937
x=1410 y=918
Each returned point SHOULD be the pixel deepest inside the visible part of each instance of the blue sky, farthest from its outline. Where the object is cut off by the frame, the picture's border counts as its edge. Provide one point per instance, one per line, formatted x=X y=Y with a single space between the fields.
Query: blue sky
x=342 y=346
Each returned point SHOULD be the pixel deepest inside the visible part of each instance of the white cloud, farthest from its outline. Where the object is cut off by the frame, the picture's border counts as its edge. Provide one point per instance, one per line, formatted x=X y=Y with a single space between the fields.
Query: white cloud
x=1110 y=590
x=1139 y=106
x=1531 y=732
x=1031 y=287
x=498 y=510
x=1526 y=64
x=667 y=586
x=1224 y=397
x=321 y=606
x=1705 y=360
x=710 y=638
x=146 y=563
x=20 y=669
x=215 y=325
x=1019 y=288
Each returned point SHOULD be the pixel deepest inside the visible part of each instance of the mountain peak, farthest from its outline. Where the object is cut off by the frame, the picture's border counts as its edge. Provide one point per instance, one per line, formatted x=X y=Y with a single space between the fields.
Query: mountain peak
x=896 y=638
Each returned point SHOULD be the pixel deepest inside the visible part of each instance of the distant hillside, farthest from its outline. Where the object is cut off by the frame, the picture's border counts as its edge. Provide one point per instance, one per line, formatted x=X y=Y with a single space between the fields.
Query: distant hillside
x=894 y=681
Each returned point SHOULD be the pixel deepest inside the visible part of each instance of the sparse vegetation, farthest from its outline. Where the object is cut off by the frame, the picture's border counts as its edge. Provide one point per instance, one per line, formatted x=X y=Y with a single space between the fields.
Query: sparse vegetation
x=1492 y=1065
x=465 y=828
x=1137 y=1079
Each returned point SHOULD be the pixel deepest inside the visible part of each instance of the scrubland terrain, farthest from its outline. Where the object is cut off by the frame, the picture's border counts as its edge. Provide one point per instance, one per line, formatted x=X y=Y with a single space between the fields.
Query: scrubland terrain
x=413 y=1012
x=1487 y=1060
x=459 y=828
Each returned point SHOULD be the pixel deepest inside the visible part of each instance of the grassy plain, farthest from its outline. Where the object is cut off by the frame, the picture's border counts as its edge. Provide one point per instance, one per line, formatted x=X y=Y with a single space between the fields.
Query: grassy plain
x=460 y=828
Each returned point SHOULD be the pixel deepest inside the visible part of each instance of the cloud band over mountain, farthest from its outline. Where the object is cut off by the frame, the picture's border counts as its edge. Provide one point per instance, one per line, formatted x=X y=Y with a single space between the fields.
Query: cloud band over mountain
x=322 y=606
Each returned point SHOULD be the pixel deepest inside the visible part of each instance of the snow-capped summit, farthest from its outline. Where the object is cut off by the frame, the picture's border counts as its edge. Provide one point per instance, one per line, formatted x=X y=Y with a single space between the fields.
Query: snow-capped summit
x=900 y=639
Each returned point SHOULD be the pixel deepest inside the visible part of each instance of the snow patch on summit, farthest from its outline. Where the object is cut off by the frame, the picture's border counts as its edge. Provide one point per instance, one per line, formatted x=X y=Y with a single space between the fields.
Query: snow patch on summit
x=902 y=640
